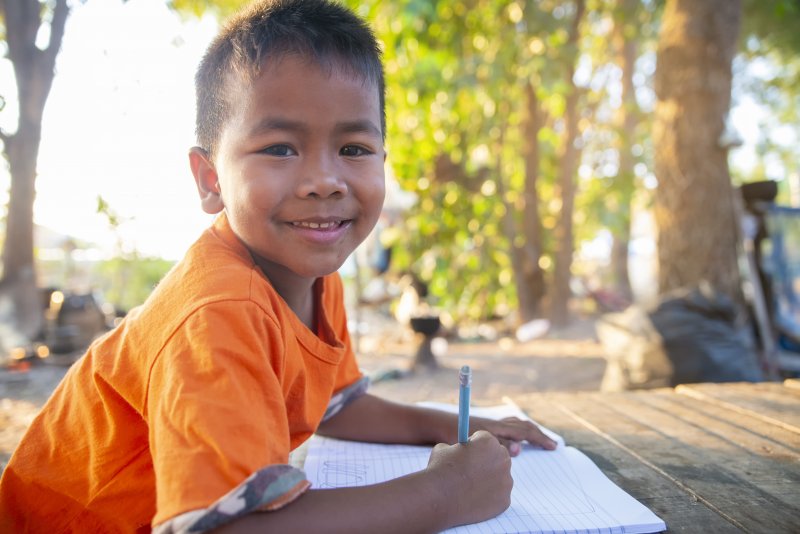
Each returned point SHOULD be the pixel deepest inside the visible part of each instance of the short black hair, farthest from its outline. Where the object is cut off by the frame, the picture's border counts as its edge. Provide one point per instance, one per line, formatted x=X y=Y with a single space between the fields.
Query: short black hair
x=321 y=30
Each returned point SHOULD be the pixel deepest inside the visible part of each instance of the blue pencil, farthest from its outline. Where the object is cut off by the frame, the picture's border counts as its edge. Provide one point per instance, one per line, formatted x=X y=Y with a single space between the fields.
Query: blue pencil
x=465 y=381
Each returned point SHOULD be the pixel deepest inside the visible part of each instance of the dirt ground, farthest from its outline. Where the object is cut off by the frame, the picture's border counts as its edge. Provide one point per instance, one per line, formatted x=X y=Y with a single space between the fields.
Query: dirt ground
x=565 y=360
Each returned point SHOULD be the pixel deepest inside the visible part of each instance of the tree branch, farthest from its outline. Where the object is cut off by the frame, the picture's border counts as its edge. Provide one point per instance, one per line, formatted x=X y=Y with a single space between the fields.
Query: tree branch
x=60 y=13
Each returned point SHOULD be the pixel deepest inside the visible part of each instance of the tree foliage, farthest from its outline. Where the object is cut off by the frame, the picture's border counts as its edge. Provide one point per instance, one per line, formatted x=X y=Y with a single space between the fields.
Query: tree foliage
x=768 y=73
x=464 y=80
x=452 y=122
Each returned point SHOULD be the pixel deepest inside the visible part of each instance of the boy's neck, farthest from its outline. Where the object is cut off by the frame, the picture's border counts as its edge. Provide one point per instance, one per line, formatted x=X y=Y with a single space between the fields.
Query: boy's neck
x=297 y=292
x=304 y=308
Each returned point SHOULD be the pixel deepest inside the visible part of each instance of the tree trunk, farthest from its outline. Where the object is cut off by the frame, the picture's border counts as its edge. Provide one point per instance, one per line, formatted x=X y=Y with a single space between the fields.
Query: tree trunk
x=19 y=274
x=694 y=207
x=529 y=275
x=511 y=230
x=625 y=47
x=568 y=165
x=34 y=70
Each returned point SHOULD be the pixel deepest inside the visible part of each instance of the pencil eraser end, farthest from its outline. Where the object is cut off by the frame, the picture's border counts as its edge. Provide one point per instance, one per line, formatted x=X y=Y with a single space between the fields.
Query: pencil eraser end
x=465 y=375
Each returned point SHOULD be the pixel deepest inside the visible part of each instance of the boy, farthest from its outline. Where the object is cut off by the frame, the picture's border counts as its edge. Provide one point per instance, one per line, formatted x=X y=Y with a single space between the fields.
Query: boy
x=182 y=418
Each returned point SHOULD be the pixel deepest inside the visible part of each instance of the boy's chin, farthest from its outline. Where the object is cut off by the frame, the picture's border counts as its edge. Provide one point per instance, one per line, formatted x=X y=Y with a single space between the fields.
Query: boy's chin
x=315 y=269
x=319 y=271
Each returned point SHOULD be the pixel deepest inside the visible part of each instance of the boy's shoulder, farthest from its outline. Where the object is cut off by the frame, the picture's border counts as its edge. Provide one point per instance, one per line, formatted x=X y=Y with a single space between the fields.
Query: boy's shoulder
x=217 y=267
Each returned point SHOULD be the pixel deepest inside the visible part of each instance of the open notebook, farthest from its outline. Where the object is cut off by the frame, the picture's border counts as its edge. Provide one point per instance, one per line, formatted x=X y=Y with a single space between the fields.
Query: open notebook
x=554 y=491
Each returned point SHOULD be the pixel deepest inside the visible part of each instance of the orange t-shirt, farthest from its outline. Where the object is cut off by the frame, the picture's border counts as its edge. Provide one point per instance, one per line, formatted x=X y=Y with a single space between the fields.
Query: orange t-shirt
x=211 y=380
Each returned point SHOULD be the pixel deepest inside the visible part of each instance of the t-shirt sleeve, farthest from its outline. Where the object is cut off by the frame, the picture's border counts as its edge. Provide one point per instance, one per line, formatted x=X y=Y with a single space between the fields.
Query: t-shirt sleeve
x=217 y=416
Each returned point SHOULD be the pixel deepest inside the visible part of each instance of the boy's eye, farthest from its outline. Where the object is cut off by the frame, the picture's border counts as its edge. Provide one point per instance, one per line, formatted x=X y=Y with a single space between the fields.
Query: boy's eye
x=279 y=151
x=353 y=150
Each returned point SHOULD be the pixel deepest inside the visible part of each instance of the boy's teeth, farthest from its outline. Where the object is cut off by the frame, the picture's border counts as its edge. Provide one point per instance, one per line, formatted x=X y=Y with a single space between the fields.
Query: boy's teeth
x=315 y=225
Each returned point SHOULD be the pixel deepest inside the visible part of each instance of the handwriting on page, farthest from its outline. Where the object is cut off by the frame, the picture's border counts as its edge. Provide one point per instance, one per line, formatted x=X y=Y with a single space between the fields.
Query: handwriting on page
x=360 y=464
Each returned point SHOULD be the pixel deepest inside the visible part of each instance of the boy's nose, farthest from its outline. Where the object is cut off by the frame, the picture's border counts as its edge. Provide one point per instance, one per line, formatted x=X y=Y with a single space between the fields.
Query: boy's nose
x=322 y=179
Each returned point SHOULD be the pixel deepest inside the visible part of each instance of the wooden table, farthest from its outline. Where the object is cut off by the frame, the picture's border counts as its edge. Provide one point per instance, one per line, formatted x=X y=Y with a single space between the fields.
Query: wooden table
x=703 y=457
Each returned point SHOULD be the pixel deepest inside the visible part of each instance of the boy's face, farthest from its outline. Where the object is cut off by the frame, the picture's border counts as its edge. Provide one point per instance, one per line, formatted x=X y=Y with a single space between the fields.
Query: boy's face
x=299 y=167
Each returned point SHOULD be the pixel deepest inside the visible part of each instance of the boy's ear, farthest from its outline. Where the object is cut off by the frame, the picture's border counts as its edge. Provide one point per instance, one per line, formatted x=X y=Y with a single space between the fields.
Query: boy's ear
x=206 y=179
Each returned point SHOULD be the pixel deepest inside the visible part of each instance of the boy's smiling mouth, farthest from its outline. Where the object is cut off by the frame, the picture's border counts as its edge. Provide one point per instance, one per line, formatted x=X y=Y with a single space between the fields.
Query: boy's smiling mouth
x=321 y=231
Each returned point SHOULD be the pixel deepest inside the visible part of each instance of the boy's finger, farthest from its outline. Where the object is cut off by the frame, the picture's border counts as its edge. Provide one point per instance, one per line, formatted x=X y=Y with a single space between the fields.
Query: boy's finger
x=541 y=439
x=518 y=430
x=514 y=447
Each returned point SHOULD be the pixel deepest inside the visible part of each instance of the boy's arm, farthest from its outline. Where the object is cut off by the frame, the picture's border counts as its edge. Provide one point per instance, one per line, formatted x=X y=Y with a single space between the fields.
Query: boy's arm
x=460 y=485
x=370 y=418
x=373 y=419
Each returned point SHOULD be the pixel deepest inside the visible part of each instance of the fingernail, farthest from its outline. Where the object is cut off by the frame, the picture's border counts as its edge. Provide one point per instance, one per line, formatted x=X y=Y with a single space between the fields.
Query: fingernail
x=515 y=448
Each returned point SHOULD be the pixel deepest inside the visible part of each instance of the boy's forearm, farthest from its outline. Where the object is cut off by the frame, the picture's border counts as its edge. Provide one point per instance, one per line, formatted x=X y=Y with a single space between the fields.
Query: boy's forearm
x=370 y=418
x=373 y=419
x=413 y=503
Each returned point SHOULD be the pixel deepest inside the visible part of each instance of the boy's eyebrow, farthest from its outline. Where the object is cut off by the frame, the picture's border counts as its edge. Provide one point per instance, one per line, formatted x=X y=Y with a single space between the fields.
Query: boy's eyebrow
x=271 y=124
x=359 y=126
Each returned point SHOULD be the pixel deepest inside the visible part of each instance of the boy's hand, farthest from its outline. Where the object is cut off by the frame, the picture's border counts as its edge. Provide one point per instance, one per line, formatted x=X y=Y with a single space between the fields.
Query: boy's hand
x=475 y=477
x=512 y=431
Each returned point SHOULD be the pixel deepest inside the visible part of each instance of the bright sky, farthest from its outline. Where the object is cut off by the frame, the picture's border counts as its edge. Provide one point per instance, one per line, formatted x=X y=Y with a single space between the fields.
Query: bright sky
x=119 y=122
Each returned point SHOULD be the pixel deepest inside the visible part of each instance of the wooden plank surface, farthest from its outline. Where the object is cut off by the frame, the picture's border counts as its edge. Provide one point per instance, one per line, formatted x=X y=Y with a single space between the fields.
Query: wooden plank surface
x=700 y=460
x=622 y=465
x=769 y=401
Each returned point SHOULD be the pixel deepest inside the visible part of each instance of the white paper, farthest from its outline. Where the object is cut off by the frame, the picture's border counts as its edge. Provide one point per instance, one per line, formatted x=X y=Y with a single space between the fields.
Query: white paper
x=554 y=491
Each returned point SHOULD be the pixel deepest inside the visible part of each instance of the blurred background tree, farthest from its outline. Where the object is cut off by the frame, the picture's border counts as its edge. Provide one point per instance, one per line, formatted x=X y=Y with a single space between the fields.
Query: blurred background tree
x=32 y=31
x=694 y=209
x=493 y=104
x=487 y=130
